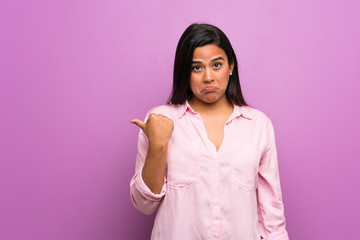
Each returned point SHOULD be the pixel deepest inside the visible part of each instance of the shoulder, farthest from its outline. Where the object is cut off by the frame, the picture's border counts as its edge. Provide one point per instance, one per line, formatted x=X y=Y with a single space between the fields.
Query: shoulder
x=167 y=110
x=261 y=120
x=256 y=114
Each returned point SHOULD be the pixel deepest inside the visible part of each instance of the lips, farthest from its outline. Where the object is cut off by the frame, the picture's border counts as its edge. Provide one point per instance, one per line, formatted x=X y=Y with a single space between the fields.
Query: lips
x=209 y=89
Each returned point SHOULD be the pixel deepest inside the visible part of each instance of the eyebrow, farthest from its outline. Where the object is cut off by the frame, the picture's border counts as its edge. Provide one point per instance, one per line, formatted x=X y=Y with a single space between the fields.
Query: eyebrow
x=213 y=60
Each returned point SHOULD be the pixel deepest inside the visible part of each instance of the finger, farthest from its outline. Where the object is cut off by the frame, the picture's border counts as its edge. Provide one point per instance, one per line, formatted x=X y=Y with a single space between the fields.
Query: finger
x=138 y=122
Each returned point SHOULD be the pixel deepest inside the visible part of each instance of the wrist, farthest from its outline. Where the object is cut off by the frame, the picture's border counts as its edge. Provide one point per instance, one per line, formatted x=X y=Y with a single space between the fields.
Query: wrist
x=158 y=147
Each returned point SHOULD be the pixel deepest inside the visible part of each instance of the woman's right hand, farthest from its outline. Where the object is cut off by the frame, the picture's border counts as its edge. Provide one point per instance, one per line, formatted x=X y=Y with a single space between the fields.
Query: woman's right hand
x=158 y=129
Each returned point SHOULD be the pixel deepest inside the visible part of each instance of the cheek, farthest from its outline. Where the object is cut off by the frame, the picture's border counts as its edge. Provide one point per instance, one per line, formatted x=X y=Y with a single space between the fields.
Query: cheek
x=194 y=84
x=224 y=79
x=192 y=87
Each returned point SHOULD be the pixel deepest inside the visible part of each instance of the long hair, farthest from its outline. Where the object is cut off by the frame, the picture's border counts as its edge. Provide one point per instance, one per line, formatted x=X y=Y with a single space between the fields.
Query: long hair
x=198 y=35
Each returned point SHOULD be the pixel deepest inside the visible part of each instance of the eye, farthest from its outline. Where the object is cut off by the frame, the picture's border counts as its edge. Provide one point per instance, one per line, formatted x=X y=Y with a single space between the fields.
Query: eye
x=196 y=68
x=217 y=65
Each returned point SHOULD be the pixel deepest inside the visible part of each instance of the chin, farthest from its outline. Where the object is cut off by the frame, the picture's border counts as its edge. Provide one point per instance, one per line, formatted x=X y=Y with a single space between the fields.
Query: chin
x=210 y=100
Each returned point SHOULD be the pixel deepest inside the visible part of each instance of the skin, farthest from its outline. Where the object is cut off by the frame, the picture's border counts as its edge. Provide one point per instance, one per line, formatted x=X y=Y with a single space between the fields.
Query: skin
x=158 y=130
x=208 y=82
x=211 y=69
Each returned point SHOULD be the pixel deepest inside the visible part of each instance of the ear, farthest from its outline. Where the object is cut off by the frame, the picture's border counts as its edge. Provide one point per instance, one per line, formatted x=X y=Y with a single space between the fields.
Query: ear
x=231 y=67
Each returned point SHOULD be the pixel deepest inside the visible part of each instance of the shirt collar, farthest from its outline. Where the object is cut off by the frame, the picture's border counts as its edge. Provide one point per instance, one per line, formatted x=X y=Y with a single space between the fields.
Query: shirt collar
x=237 y=112
x=240 y=111
x=182 y=109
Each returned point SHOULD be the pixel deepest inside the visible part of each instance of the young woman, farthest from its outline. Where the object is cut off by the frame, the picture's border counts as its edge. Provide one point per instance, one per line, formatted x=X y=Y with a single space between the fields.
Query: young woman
x=206 y=160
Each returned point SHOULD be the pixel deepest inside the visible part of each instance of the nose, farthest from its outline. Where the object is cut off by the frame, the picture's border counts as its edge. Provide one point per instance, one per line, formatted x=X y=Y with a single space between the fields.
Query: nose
x=208 y=75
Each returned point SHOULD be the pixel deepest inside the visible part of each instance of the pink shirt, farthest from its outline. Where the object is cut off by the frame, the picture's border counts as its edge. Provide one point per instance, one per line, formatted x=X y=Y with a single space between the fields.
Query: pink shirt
x=230 y=194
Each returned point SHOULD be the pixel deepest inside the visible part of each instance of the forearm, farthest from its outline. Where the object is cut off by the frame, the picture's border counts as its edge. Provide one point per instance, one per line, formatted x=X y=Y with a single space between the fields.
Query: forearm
x=154 y=168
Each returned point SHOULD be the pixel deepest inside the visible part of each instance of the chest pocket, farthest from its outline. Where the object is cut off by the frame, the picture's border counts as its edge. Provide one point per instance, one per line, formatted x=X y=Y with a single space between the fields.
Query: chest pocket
x=244 y=166
x=182 y=165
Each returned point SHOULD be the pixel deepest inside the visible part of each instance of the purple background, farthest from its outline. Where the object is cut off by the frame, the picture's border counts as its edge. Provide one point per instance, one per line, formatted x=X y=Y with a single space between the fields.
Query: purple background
x=74 y=73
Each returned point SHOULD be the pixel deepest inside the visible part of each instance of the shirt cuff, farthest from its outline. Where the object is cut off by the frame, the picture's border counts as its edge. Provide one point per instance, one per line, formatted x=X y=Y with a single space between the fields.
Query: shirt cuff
x=282 y=235
x=146 y=192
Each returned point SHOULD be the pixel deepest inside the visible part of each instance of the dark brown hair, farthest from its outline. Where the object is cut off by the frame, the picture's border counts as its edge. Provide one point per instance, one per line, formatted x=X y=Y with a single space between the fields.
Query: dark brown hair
x=198 y=35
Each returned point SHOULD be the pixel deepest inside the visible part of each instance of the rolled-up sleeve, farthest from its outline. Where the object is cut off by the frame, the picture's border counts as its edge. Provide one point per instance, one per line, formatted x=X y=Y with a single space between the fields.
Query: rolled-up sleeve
x=270 y=204
x=141 y=196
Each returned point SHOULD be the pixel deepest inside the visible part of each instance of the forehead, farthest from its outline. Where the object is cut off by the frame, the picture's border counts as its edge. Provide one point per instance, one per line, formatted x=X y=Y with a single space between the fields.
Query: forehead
x=208 y=52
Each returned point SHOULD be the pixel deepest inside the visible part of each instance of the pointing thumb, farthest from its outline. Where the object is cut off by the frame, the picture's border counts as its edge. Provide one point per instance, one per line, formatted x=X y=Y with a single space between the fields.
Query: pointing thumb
x=138 y=122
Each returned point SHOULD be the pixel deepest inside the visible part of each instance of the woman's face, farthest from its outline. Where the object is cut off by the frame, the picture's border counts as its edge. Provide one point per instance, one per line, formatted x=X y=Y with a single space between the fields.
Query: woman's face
x=210 y=74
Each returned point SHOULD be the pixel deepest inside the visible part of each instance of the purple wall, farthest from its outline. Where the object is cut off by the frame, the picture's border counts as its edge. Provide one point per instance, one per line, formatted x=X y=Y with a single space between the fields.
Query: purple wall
x=74 y=73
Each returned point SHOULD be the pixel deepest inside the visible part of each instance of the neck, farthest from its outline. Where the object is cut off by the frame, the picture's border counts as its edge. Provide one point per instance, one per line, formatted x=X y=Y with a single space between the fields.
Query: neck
x=221 y=105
